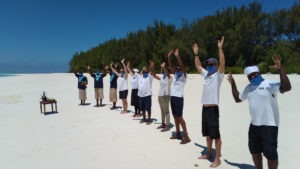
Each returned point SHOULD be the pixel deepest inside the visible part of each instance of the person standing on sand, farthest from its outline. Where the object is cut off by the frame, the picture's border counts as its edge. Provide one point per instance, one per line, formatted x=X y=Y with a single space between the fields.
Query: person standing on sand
x=134 y=90
x=213 y=77
x=98 y=84
x=82 y=83
x=123 y=85
x=113 y=87
x=145 y=92
x=263 y=106
x=177 y=100
x=164 y=97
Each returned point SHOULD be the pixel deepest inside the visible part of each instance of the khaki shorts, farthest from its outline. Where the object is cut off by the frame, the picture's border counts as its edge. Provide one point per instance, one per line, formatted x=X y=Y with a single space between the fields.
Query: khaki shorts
x=82 y=94
x=113 y=95
x=99 y=93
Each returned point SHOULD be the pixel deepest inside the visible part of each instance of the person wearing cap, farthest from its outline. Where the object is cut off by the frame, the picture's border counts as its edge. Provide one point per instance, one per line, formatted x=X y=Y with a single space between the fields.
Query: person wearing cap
x=263 y=106
x=82 y=83
x=145 y=92
x=98 y=84
x=113 y=86
x=177 y=99
x=164 y=97
x=213 y=77
x=123 y=84
x=134 y=89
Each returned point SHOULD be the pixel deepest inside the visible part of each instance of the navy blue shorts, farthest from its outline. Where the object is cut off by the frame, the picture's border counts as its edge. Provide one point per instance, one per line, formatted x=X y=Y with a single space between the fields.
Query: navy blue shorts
x=263 y=139
x=210 y=122
x=123 y=94
x=177 y=106
x=145 y=103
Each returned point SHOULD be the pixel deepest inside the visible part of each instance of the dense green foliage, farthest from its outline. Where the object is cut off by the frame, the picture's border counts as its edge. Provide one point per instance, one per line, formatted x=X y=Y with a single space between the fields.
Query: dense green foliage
x=252 y=37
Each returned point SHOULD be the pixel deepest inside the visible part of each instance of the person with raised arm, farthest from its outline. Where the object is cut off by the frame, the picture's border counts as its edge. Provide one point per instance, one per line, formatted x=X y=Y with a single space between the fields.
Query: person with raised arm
x=177 y=96
x=98 y=84
x=213 y=78
x=82 y=85
x=123 y=84
x=113 y=86
x=134 y=89
x=263 y=106
x=164 y=97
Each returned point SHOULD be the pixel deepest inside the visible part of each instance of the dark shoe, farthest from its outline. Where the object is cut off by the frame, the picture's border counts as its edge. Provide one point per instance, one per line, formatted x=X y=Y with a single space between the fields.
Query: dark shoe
x=161 y=126
x=167 y=128
x=184 y=141
x=143 y=121
x=176 y=136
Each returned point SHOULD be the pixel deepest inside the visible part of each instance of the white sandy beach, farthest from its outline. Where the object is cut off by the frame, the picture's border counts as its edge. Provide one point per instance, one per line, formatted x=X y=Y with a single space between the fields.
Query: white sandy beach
x=88 y=137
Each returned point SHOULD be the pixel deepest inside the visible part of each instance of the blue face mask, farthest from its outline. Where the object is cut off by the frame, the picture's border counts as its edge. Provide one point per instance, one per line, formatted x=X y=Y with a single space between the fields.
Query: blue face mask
x=145 y=74
x=122 y=74
x=256 y=81
x=97 y=72
x=178 y=74
x=211 y=69
x=164 y=75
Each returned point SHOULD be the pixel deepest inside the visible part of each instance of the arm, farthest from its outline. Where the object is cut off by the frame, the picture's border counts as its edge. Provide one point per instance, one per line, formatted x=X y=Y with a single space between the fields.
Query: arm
x=169 y=61
x=284 y=80
x=221 y=55
x=182 y=67
x=89 y=70
x=165 y=70
x=125 y=69
x=76 y=74
x=111 y=67
x=235 y=92
x=105 y=70
x=129 y=68
x=152 y=68
x=197 y=60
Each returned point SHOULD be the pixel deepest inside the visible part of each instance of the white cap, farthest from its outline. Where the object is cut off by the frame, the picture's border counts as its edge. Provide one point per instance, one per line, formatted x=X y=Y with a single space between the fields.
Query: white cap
x=136 y=70
x=250 y=69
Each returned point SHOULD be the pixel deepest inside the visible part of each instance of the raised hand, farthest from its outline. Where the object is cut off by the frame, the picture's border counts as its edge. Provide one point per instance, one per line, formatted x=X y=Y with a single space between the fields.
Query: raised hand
x=230 y=78
x=176 y=53
x=163 y=64
x=221 y=42
x=277 y=62
x=151 y=63
x=122 y=61
x=88 y=67
x=171 y=52
x=196 y=49
x=111 y=64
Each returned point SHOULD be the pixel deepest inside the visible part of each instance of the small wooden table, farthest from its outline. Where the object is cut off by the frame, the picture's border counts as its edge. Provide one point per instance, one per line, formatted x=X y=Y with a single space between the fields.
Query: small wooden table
x=52 y=101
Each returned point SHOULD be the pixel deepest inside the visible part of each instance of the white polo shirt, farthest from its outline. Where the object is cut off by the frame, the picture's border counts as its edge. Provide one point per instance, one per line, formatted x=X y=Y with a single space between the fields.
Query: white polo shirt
x=263 y=105
x=165 y=86
x=145 y=85
x=134 y=81
x=177 y=88
x=123 y=83
x=211 y=87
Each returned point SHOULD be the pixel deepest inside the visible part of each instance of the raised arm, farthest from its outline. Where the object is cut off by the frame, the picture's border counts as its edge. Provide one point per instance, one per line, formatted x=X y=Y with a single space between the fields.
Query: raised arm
x=181 y=65
x=197 y=60
x=89 y=70
x=284 y=80
x=124 y=67
x=111 y=67
x=129 y=68
x=235 y=92
x=106 y=70
x=165 y=69
x=169 y=61
x=221 y=55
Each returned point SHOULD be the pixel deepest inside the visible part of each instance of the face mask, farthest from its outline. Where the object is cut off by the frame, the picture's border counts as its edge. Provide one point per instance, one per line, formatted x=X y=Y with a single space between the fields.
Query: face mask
x=164 y=75
x=211 y=69
x=122 y=74
x=256 y=81
x=178 y=74
x=80 y=74
x=145 y=74
x=97 y=72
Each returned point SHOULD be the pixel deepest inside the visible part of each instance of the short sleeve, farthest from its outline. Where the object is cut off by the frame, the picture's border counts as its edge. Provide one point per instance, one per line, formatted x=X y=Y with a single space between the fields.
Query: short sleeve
x=204 y=72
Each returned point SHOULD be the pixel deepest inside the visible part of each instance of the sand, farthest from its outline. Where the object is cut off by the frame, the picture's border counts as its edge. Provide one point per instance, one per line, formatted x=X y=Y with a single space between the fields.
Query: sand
x=91 y=137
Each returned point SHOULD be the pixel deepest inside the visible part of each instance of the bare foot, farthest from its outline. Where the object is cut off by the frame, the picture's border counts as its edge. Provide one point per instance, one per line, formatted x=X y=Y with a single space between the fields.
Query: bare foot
x=205 y=156
x=215 y=164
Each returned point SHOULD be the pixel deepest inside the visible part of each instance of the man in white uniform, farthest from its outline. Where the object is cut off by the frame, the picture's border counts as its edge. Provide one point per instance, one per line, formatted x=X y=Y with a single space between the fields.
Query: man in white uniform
x=262 y=96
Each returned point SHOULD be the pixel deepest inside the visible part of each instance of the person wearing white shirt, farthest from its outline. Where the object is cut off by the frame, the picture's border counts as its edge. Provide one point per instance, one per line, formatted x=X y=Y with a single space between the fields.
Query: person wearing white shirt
x=123 y=85
x=213 y=77
x=177 y=100
x=134 y=90
x=164 y=97
x=263 y=106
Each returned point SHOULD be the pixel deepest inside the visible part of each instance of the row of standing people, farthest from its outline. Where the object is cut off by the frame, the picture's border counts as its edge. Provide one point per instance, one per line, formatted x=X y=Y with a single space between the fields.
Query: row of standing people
x=264 y=114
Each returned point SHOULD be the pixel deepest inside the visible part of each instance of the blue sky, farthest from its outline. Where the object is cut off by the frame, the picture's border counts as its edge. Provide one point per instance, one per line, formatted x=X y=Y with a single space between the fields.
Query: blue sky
x=43 y=35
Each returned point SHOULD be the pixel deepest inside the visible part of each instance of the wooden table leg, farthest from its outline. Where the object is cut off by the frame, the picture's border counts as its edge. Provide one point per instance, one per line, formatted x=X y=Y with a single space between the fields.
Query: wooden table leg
x=52 y=107
x=44 y=108
x=56 y=107
x=41 y=107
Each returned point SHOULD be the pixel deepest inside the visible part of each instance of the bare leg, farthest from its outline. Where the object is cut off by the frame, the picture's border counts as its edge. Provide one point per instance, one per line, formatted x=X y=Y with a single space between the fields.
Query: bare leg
x=125 y=105
x=208 y=151
x=177 y=135
x=101 y=102
x=273 y=164
x=183 y=125
x=257 y=159
x=97 y=100
x=217 y=162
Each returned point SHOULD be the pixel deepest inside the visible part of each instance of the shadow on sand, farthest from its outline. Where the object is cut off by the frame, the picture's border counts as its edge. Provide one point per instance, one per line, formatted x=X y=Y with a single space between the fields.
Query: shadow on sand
x=240 y=166
x=213 y=152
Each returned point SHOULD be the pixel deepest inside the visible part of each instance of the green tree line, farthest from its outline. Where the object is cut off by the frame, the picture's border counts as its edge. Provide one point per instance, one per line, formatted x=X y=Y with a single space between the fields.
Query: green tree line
x=252 y=37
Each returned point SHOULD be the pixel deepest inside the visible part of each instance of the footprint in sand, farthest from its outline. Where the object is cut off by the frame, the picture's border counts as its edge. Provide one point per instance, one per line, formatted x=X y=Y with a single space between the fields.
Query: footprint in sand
x=11 y=99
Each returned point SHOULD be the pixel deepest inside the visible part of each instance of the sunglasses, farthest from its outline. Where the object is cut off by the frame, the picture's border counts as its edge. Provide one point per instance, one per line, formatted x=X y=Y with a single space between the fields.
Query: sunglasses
x=253 y=75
